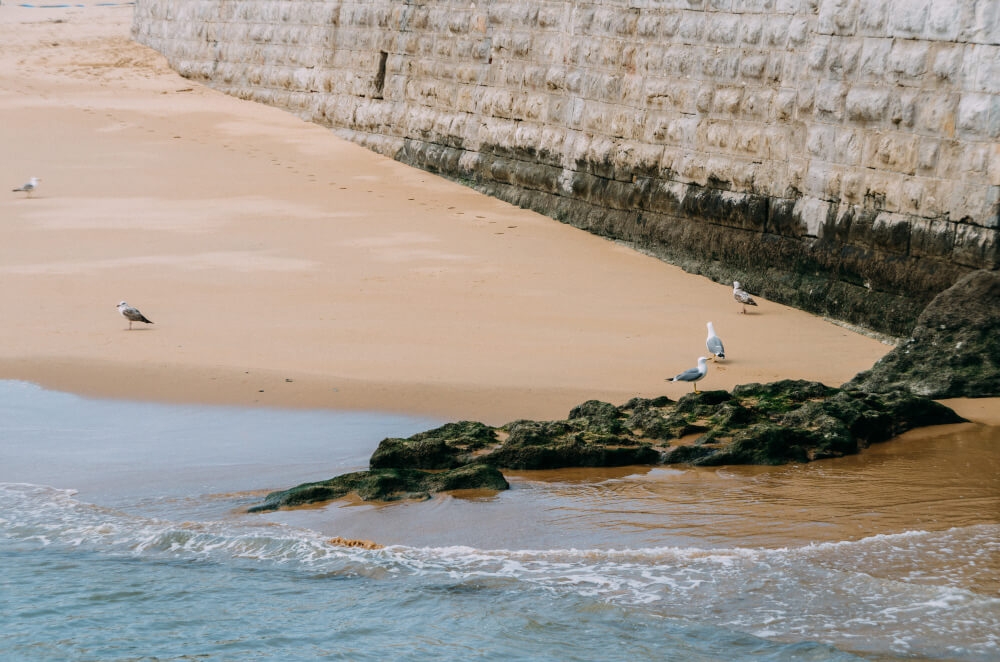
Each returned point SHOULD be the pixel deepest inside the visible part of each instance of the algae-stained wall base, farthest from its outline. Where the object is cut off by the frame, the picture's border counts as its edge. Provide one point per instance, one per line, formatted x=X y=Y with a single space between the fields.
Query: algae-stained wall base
x=837 y=155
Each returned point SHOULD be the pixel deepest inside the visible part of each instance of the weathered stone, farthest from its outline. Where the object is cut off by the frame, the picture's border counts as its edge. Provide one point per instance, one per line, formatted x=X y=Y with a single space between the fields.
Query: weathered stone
x=954 y=350
x=386 y=485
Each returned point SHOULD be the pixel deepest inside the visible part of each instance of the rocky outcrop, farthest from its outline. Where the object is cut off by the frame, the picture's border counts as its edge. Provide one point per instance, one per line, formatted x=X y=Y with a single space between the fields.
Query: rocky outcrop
x=385 y=485
x=840 y=156
x=776 y=423
x=954 y=350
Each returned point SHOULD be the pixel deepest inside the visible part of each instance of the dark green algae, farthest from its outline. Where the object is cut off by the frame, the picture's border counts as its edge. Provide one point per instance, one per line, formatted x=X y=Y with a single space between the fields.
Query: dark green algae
x=775 y=423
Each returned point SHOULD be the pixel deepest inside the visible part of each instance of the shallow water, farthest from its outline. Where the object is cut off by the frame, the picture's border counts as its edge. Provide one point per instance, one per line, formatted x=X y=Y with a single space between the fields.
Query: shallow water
x=123 y=536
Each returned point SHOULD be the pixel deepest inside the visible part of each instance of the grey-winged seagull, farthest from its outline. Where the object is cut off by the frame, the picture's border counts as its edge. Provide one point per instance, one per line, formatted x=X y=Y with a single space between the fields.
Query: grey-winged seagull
x=693 y=375
x=29 y=187
x=131 y=314
x=741 y=296
x=714 y=344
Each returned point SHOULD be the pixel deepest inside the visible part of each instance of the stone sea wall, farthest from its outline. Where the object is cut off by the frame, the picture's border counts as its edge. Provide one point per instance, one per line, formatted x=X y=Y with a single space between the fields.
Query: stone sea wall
x=842 y=156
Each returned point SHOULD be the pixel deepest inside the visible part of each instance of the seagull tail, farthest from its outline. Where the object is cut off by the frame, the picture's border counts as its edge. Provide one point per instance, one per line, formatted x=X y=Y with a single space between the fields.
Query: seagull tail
x=721 y=355
x=143 y=319
x=15 y=190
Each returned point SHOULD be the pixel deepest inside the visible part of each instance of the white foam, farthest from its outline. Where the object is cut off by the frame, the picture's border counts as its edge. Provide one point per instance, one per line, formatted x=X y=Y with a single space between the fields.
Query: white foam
x=873 y=593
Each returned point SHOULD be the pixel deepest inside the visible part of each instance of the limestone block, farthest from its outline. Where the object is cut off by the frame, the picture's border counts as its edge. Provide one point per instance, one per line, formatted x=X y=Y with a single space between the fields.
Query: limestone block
x=908 y=59
x=776 y=31
x=784 y=104
x=798 y=31
x=747 y=139
x=974 y=114
x=993 y=129
x=753 y=65
x=726 y=100
x=830 y=96
x=927 y=154
x=751 y=29
x=902 y=107
x=683 y=131
x=931 y=238
x=907 y=17
x=947 y=62
x=691 y=27
x=837 y=17
x=936 y=113
x=987 y=68
x=812 y=216
x=872 y=18
x=944 y=19
x=756 y=104
x=874 y=59
x=976 y=247
x=820 y=141
x=866 y=104
x=891 y=151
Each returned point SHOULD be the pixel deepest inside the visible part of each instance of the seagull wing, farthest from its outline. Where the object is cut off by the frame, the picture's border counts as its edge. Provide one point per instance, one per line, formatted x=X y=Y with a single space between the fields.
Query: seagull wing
x=744 y=298
x=134 y=315
x=689 y=375
x=715 y=346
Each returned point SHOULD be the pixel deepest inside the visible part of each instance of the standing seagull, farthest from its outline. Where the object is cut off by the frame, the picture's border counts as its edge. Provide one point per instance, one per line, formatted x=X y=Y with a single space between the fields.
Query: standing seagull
x=693 y=375
x=741 y=296
x=29 y=187
x=714 y=344
x=131 y=314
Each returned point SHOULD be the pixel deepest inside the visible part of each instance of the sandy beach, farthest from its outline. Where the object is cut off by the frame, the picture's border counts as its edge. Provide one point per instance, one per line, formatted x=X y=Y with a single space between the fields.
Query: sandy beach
x=283 y=266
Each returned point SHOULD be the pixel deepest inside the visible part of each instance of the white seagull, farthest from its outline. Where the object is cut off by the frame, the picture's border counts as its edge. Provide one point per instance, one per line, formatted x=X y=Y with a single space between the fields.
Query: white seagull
x=741 y=296
x=131 y=314
x=29 y=187
x=714 y=344
x=693 y=375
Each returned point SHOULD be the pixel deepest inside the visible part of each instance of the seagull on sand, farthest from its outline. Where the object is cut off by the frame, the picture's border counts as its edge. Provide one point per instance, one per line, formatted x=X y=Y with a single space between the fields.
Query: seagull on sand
x=29 y=187
x=131 y=314
x=741 y=296
x=714 y=344
x=693 y=375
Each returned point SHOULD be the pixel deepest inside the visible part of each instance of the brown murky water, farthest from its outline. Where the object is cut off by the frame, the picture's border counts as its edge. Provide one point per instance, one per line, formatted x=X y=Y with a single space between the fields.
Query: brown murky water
x=931 y=480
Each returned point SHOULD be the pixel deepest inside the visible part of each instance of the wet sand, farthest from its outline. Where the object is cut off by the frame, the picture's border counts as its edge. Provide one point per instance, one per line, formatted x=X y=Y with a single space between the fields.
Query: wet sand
x=285 y=267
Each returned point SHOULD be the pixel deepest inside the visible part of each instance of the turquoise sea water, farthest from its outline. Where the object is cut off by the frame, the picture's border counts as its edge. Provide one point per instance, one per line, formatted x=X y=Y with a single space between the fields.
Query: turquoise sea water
x=123 y=536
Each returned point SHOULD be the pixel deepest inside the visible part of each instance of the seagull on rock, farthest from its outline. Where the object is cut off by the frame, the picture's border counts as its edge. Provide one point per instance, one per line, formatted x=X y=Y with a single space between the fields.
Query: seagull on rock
x=741 y=296
x=29 y=187
x=693 y=375
x=714 y=344
x=131 y=314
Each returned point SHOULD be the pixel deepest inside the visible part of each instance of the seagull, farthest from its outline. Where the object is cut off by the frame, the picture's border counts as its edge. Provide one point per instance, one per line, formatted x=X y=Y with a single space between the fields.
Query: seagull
x=741 y=296
x=29 y=187
x=714 y=344
x=693 y=375
x=131 y=314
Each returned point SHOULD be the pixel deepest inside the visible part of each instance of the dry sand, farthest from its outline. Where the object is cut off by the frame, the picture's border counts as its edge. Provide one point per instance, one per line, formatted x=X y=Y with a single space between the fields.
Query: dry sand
x=283 y=266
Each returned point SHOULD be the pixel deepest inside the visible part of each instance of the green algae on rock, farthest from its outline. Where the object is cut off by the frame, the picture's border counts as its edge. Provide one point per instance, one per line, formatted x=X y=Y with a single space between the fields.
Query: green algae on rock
x=954 y=350
x=775 y=423
x=386 y=485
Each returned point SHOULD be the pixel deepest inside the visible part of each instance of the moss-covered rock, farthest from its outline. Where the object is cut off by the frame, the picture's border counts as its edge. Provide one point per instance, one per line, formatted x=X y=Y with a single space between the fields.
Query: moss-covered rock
x=954 y=350
x=576 y=442
x=446 y=447
x=386 y=485
x=785 y=421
